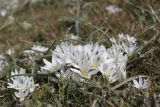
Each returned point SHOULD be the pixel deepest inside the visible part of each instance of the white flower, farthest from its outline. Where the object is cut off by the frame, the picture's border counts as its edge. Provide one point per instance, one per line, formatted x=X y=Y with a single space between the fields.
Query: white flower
x=120 y=59
x=95 y=52
x=91 y=48
x=3 y=12
x=82 y=65
x=10 y=51
x=129 y=49
x=108 y=72
x=127 y=38
x=128 y=44
x=39 y=48
x=75 y=37
x=64 y=52
x=112 y=9
x=23 y=84
x=141 y=83
x=54 y=65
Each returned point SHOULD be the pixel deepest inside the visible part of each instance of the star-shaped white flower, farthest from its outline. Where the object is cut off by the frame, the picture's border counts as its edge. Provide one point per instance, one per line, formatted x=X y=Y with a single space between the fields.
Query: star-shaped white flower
x=129 y=49
x=127 y=43
x=83 y=65
x=54 y=65
x=108 y=72
x=141 y=83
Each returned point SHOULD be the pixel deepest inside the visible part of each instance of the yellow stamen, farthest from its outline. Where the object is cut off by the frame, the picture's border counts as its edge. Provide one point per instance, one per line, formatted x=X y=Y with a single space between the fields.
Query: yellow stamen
x=94 y=65
x=106 y=74
x=84 y=73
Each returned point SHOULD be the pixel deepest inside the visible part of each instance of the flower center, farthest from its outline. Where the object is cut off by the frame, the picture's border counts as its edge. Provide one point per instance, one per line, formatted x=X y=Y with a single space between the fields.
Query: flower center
x=94 y=65
x=84 y=73
x=61 y=78
x=106 y=74
x=17 y=86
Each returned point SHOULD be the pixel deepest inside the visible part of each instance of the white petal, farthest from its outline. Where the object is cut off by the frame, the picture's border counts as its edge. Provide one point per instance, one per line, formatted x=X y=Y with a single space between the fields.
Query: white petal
x=47 y=62
x=75 y=70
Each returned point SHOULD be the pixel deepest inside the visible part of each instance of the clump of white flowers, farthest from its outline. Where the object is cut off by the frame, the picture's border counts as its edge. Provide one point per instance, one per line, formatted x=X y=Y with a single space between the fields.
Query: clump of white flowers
x=24 y=85
x=127 y=43
x=87 y=60
x=114 y=64
x=79 y=63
